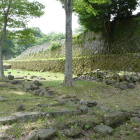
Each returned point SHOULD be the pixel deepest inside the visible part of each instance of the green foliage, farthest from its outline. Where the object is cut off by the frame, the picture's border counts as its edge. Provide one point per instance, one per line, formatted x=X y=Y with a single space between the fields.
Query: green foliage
x=23 y=39
x=18 y=12
x=87 y=126
x=79 y=30
x=138 y=21
x=98 y=16
x=27 y=38
x=54 y=46
x=75 y=125
x=14 y=16
x=16 y=130
x=46 y=38
x=41 y=38
x=107 y=17
x=8 y=47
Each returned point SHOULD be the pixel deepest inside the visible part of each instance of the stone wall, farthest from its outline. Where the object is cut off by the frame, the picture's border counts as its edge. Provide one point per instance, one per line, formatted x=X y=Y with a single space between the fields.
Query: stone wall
x=85 y=44
x=87 y=48
x=127 y=62
x=126 y=39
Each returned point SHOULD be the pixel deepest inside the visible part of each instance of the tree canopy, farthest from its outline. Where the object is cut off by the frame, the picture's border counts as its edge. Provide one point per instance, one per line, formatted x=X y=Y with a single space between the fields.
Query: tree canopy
x=19 y=12
x=98 y=16
x=38 y=38
x=106 y=17
x=15 y=14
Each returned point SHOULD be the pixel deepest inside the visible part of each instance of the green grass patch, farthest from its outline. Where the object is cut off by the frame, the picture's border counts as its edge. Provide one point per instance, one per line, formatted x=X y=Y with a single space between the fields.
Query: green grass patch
x=48 y=75
x=103 y=94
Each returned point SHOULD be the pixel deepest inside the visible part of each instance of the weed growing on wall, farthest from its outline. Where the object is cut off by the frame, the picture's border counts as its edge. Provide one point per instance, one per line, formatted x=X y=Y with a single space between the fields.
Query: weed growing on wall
x=54 y=46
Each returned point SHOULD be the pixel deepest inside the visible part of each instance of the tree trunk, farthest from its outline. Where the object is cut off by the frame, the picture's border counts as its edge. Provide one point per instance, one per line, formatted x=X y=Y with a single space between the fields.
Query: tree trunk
x=1 y=65
x=2 y=38
x=68 y=79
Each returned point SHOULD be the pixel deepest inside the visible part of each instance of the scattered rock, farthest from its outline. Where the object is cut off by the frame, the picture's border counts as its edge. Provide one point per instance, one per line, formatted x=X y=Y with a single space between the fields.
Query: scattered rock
x=77 y=124
x=16 y=82
x=38 y=92
x=43 y=134
x=34 y=87
x=123 y=86
x=115 y=77
x=20 y=108
x=3 y=99
x=135 y=79
x=131 y=86
x=109 y=82
x=73 y=132
x=6 y=66
x=100 y=74
x=5 y=137
x=43 y=92
x=29 y=87
x=23 y=116
x=33 y=77
x=127 y=78
x=42 y=105
x=32 y=137
x=113 y=118
x=91 y=103
x=104 y=108
x=7 y=120
x=135 y=120
x=84 y=109
x=118 y=81
x=19 y=77
x=37 y=83
x=117 y=85
x=66 y=112
x=3 y=85
x=124 y=78
x=82 y=102
x=10 y=77
x=49 y=93
x=103 y=130
x=40 y=78
x=46 y=134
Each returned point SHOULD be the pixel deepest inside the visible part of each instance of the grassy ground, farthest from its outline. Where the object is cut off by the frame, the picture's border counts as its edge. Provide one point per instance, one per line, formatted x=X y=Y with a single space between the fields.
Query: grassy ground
x=105 y=95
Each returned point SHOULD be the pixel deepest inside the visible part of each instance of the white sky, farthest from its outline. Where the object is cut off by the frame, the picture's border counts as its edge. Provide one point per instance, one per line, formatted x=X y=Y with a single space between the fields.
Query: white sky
x=53 y=19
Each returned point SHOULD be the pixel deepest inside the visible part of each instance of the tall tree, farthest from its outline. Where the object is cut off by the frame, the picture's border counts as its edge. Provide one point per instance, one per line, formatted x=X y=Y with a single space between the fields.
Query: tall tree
x=108 y=20
x=113 y=10
x=68 y=80
x=68 y=5
x=15 y=14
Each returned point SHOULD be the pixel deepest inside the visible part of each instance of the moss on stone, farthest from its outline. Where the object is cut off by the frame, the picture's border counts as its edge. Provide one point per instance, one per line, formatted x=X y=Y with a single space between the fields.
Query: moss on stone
x=127 y=62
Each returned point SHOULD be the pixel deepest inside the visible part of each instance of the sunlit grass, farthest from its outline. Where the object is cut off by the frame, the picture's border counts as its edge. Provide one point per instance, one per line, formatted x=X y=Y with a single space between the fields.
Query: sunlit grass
x=49 y=76
x=103 y=94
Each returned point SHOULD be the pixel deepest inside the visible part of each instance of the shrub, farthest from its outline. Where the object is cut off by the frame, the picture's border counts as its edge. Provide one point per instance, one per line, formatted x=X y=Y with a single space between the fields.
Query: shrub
x=54 y=46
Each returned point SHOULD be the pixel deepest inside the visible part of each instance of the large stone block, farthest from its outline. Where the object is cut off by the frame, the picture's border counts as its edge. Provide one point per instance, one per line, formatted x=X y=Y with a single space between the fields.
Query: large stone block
x=113 y=118
x=103 y=130
x=46 y=134
x=7 y=120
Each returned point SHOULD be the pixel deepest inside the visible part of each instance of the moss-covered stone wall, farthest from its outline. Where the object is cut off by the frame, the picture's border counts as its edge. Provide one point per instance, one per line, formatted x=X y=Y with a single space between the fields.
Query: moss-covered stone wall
x=86 y=49
x=127 y=62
